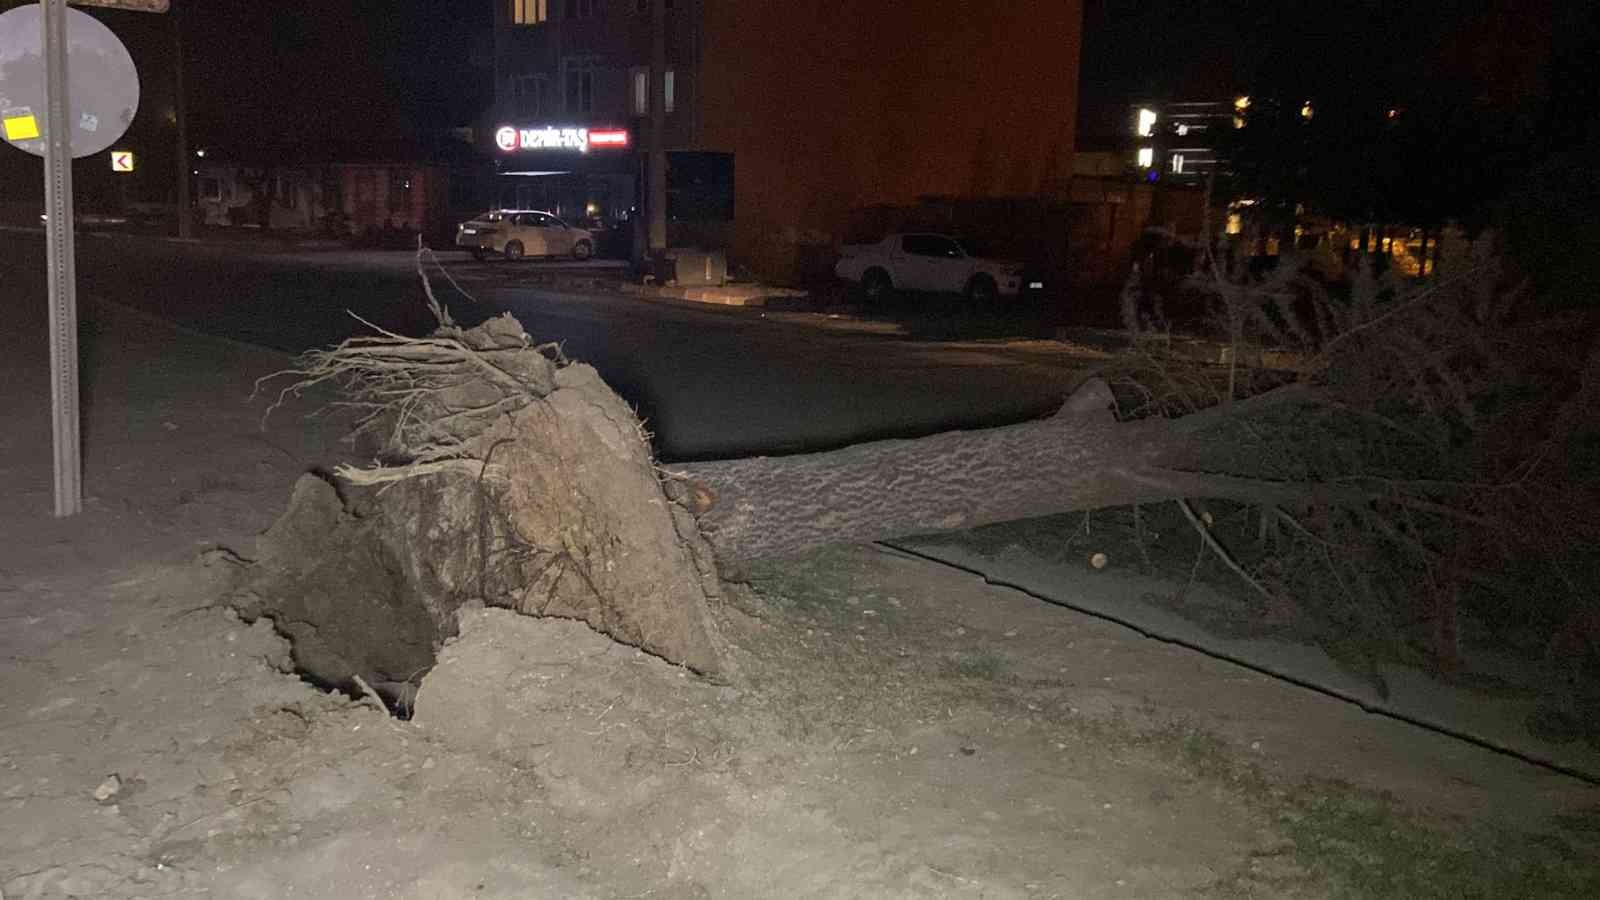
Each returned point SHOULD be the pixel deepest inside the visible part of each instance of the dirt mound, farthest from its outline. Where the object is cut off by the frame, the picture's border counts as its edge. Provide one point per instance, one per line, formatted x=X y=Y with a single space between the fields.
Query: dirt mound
x=556 y=697
x=510 y=479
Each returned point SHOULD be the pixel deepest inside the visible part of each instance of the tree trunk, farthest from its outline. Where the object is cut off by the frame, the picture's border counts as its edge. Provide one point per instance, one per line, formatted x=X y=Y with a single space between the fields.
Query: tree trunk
x=1080 y=458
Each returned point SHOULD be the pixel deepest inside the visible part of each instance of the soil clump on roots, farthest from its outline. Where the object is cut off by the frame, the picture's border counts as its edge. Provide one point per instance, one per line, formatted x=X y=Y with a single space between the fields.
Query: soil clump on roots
x=507 y=476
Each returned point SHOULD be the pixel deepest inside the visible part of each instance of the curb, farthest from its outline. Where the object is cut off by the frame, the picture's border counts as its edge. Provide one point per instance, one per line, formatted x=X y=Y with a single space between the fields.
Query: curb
x=1200 y=350
x=726 y=295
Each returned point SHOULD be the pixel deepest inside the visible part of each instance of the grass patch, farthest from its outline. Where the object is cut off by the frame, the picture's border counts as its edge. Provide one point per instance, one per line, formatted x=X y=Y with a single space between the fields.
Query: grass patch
x=1345 y=842
x=815 y=582
x=1363 y=846
x=985 y=666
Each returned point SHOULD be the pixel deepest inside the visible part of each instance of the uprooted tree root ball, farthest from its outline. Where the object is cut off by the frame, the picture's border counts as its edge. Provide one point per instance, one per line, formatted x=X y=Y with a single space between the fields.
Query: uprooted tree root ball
x=506 y=477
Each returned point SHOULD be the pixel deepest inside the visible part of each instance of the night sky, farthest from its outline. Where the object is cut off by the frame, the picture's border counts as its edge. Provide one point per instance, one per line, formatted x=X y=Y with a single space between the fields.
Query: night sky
x=353 y=69
x=312 y=69
x=1170 y=49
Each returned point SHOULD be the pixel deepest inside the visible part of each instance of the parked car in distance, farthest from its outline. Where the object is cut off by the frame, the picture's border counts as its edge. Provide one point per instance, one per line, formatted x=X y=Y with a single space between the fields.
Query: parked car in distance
x=516 y=233
x=929 y=262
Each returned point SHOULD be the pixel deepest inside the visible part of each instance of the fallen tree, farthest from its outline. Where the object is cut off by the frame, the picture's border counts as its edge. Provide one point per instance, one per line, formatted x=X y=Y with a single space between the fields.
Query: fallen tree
x=510 y=476
x=1081 y=458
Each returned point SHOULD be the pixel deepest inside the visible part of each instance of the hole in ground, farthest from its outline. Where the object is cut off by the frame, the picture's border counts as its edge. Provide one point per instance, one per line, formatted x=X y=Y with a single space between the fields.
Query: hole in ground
x=330 y=667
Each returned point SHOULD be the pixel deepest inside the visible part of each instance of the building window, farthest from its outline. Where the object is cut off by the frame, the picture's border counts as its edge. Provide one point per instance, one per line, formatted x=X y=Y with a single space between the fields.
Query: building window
x=211 y=189
x=529 y=12
x=1146 y=123
x=1177 y=163
x=641 y=90
x=287 y=196
x=399 y=190
x=580 y=9
x=579 y=76
x=1147 y=157
x=529 y=93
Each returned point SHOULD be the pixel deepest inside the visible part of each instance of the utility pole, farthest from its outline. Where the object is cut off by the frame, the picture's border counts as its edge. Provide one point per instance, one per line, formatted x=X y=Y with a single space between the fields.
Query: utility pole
x=656 y=198
x=185 y=220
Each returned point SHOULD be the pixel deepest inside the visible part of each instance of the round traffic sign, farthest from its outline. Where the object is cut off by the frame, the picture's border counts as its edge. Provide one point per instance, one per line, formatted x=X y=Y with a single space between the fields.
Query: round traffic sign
x=103 y=85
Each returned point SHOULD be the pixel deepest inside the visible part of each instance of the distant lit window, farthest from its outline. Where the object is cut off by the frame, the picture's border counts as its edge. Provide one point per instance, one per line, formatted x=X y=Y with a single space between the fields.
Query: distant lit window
x=529 y=12
x=1183 y=130
x=1147 y=157
x=1147 y=122
x=1177 y=163
x=1235 y=223
x=1241 y=103
x=641 y=90
x=579 y=78
x=1306 y=112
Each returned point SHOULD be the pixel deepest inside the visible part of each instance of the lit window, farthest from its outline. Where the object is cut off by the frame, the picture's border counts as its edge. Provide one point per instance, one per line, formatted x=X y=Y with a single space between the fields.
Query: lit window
x=1147 y=157
x=1183 y=130
x=1306 y=112
x=641 y=91
x=1241 y=103
x=1235 y=223
x=1147 y=122
x=1177 y=163
x=529 y=12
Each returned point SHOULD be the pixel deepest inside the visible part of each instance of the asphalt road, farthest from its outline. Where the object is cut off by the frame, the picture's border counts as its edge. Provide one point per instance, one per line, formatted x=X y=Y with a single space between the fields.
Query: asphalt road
x=710 y=382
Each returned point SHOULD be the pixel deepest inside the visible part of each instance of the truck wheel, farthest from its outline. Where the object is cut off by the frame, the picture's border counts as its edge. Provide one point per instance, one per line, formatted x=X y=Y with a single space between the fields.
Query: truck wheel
x=876 y=286
x=513 y=250
x=981 y=290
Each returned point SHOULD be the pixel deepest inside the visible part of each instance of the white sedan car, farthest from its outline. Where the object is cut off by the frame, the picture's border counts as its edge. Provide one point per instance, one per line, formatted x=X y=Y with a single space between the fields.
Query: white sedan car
x=927 y=262
x=516 y=233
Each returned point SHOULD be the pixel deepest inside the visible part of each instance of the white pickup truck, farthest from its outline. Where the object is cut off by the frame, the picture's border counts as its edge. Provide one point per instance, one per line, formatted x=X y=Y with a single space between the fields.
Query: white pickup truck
x=927 y=262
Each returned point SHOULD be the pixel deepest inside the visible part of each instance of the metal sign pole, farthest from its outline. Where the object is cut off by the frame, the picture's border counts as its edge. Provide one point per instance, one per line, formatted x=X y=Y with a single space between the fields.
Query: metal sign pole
x=60 y=256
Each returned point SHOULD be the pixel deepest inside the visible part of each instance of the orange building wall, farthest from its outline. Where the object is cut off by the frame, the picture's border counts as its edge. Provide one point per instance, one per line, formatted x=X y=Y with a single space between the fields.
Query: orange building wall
x=831 y=107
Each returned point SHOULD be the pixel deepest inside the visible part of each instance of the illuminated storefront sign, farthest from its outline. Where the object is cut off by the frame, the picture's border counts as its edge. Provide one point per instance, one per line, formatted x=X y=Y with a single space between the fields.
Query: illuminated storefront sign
x=550 y=137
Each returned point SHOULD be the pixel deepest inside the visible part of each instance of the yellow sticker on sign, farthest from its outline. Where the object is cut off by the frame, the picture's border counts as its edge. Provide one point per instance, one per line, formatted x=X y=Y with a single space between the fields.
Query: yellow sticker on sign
x=21 y=128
